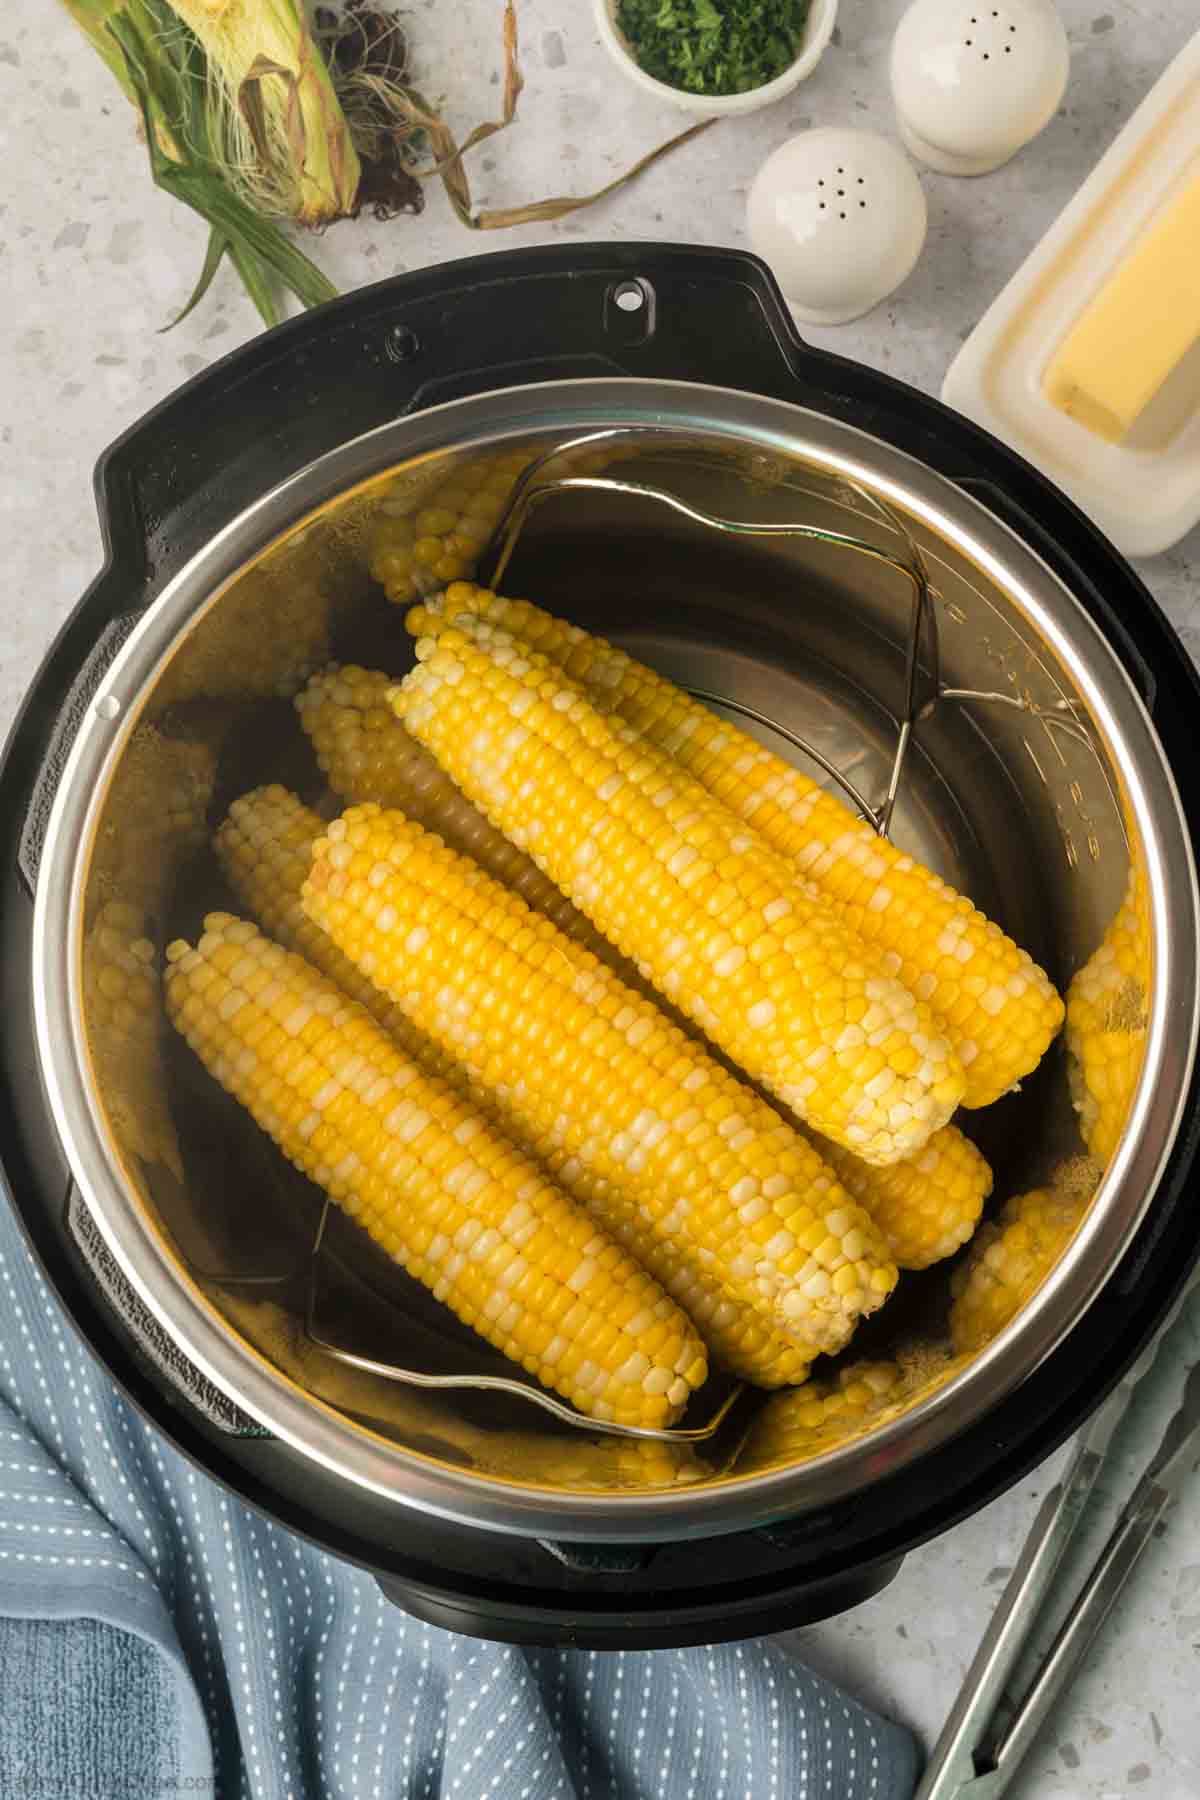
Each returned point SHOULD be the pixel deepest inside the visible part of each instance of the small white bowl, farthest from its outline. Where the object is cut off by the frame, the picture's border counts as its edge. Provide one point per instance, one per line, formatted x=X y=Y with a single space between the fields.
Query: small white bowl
x=818 y=30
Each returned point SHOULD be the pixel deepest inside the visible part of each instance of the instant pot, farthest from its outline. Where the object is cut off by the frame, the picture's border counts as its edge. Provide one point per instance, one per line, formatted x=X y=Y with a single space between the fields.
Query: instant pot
x=858 y=575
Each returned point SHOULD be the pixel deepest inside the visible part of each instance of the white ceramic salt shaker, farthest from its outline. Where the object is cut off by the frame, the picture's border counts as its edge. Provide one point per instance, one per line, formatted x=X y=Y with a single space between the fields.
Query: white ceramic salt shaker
x=975 y=80
x=840 y=217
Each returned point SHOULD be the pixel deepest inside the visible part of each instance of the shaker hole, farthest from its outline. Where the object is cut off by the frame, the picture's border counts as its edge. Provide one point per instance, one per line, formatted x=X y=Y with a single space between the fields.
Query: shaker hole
x=630 y=296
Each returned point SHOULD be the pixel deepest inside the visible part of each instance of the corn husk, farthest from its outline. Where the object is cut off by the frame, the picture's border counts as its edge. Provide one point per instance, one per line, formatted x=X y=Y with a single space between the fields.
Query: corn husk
x=414 y=114
x=94 y=18
x=253 y=116
x=162 y=66
x=273 y=110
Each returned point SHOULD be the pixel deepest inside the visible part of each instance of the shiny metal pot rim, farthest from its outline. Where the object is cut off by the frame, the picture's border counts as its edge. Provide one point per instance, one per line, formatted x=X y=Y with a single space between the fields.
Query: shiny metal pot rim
x=317 y=1430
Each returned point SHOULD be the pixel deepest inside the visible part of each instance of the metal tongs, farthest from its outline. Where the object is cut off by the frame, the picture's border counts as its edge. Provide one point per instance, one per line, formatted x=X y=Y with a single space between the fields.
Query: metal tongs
x=989 y=1730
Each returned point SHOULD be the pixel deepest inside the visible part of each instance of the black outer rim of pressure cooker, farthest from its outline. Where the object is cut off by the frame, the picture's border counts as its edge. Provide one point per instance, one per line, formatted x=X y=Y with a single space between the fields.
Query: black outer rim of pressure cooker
x=249 y=421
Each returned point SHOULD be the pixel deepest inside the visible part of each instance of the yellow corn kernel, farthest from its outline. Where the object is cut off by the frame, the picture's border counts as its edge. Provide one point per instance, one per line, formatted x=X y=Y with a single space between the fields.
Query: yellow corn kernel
x=831 y=1411
x=435 y=520
x=711 y=1182
x=927 y=1206
x=265 y=848
x=122 y=1009
x=422 y=522
x=637 y=844
x=470 y=1217
x=1008 y=1261
x=153 y=818
x=575 y=1460
x=991 y=999
x=367 y=754
x=1107 y=1015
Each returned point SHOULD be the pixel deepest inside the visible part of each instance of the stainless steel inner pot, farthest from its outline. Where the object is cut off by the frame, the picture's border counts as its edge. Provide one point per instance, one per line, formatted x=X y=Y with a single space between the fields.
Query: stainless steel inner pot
x=1033 y=780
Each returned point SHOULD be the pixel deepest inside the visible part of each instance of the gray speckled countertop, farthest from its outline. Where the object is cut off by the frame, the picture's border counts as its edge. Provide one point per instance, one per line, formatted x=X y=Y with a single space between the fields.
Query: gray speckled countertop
x=94 y=261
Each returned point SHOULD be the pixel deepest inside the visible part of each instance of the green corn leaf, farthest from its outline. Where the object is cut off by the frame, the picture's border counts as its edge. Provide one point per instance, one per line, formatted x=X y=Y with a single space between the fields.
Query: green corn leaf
x=163 y=67
x=218 y=243
x=257 y=283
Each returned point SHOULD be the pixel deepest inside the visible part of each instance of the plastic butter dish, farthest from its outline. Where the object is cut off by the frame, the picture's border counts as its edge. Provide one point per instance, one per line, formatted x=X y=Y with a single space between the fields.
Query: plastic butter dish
x=1089 y=362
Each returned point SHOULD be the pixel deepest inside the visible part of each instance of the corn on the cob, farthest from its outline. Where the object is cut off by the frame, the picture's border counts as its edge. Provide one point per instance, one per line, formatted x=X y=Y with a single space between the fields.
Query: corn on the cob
x=268 y=635
x=433 y=524
x=926 y=1206
x=153 y=817
x=1007 y=1262
x=265 y=847
x=577 y=1460
x=598 y=1461
x=1106 y=1022
x=703 y=908
x=275 y=108
x=829 y=1412
x=604 y=1464
x=122 y=1009
x=991 y=999
x=427 y=533
x=614 y=1098
x=741 y=1340
x=437 y=1187
x=367 y=754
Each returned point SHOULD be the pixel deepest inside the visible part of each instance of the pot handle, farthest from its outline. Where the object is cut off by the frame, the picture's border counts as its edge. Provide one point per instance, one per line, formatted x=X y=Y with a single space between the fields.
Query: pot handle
x=512 y=318
x=663 y=312
x=570 y=1609
x=657 y=311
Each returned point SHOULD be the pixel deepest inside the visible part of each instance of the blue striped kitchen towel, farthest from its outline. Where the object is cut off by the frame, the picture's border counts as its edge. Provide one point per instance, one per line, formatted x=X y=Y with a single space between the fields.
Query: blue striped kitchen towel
x=158 y=1638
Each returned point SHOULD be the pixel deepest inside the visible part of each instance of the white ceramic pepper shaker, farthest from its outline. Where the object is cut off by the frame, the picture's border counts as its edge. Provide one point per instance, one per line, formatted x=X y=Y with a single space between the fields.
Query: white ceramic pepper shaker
x=840 y=217
x=975 y=80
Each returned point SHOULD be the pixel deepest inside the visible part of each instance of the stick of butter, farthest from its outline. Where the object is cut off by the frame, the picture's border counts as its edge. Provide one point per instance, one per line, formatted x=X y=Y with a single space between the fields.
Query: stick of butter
x=1138 y=328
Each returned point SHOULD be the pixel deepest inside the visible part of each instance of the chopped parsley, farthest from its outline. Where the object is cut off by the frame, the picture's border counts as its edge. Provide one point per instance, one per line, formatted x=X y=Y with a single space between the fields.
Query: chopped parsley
x=714 y=46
